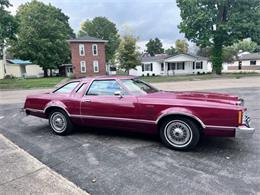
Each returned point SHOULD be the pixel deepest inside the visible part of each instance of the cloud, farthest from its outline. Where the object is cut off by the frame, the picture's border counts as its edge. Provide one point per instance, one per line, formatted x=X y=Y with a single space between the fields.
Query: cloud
x=147 y=18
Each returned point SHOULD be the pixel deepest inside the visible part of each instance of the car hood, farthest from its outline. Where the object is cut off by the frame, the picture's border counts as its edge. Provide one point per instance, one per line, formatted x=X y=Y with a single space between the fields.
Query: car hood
x=197 y=96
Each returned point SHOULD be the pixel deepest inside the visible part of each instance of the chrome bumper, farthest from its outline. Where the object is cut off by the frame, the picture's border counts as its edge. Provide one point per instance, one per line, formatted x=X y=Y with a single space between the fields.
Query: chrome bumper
x=244 y=131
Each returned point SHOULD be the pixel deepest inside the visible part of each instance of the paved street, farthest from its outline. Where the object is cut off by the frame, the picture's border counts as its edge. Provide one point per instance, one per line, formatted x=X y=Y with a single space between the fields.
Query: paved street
x=111 y=162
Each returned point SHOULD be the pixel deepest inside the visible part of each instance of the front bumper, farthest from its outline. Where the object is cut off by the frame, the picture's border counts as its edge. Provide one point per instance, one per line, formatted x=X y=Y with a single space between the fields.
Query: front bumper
x=245 y=131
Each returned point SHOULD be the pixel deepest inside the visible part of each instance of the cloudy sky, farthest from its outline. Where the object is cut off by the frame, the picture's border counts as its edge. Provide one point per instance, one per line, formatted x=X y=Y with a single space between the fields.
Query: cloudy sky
x=146 y=18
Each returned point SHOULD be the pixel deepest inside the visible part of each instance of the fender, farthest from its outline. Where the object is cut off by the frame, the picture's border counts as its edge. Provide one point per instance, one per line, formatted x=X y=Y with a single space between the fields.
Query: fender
x=56 y=103
x=179 y=111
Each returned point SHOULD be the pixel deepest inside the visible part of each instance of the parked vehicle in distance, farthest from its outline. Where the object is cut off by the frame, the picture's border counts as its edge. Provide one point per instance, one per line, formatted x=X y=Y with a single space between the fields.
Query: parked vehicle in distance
x=125 y=102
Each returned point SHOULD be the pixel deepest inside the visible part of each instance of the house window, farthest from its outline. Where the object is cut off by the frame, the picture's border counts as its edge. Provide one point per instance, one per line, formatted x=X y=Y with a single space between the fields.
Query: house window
x=199 y=65
x=162 y=66
x=95 y=66
x=171 y=66
x=253 y=62
x=81 y=50
x=83 y=66
x=94 y=50
x=148 y=67
x=180 y=66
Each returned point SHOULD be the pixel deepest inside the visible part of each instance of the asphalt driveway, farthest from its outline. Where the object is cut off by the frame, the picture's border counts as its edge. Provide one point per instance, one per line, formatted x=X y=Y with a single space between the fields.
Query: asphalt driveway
x=112 y=162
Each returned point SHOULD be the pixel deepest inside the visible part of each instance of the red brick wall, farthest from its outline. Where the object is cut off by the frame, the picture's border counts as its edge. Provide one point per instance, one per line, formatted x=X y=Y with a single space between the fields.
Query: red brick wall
x=88 y=58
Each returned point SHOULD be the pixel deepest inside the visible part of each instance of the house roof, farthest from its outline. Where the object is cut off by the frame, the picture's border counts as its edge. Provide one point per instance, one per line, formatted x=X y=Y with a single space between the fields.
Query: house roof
x=156 y=58
x=18 y=61
x=184 y=57
x=164 y=57
x=87 y=38
x=251 y=56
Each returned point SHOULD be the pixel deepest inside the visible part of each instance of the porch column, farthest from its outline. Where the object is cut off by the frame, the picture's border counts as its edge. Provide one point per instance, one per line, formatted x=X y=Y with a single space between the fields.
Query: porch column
x=165 y=71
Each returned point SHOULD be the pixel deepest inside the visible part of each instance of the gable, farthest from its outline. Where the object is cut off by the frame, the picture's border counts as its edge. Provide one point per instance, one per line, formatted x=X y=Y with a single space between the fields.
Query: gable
x=180 y=58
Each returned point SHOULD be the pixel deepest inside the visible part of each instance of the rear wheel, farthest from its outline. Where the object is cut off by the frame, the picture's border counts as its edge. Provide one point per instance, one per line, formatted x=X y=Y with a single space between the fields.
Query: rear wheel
x=60 y=122
x=179 y=133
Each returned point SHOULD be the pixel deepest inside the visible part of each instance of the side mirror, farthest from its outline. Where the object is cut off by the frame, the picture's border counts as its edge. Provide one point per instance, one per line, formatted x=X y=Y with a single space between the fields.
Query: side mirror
x=118 y=93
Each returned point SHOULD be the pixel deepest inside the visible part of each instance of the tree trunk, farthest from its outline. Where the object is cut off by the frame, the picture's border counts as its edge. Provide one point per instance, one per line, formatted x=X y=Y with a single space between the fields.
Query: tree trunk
x=216 y=57
x=45 y=72
x=50 y=72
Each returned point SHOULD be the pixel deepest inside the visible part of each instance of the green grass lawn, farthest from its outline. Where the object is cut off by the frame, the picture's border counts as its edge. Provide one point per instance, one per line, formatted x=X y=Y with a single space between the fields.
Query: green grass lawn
x=29 y=83
x=156 y=79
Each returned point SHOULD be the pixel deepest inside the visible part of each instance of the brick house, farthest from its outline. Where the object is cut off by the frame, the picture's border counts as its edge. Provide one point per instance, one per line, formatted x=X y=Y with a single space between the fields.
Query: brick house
x=88 y=56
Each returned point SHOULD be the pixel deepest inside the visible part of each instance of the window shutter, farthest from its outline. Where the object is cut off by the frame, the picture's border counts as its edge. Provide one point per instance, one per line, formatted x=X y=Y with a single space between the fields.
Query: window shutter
x=151 y=66
x=142 y=68
x=201 y=65
x=183 y=65
x=193 y=65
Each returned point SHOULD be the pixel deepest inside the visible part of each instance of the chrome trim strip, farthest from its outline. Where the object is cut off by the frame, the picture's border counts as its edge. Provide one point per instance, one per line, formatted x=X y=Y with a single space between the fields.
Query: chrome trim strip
x=219 y=127
x=181 y=113
x=113 y=118
x=34 y=110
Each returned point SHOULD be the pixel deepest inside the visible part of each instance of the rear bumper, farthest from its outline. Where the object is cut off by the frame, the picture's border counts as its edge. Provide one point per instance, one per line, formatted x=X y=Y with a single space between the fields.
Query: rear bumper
x=244 y=131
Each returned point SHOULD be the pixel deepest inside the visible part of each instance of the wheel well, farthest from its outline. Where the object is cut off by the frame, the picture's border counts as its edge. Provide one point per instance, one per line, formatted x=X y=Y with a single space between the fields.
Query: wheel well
x=182 y=116
x=49 y=109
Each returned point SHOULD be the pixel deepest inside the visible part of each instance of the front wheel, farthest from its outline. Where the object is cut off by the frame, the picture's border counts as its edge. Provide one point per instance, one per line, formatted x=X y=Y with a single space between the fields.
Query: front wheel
x=60 y=122
x=179 y=133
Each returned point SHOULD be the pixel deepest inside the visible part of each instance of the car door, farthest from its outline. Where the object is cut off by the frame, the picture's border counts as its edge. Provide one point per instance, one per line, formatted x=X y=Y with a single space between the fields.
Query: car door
x=100 y=107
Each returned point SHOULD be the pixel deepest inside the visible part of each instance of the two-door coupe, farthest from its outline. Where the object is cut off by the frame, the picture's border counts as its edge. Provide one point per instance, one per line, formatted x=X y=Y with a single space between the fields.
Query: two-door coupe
x=125 y=102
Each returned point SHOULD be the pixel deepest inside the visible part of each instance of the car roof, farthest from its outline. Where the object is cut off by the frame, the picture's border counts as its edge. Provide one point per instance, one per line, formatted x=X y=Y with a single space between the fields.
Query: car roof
x=104 y=77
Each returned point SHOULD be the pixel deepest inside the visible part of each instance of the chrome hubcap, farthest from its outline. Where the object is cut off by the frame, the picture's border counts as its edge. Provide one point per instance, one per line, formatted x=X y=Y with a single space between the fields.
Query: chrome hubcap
x=58 y=122
x=178 y=133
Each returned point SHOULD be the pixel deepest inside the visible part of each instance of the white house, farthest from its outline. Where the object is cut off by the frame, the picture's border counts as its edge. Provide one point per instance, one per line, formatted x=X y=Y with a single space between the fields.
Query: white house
x=246 y=63
x=19 y=68
x=164 y=65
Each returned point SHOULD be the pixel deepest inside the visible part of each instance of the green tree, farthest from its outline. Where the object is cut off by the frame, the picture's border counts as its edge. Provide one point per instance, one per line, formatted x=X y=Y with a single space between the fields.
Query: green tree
x=219 y=23
x=42 y=35
x=7 y=25
x=128 y=55
x=101 y=27
x=181 y=46
x=154 y=46
x=171 y=51
x=246 y=45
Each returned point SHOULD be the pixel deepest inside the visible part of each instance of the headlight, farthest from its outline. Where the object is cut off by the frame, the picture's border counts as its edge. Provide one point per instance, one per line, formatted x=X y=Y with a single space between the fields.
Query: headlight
x=246 y=119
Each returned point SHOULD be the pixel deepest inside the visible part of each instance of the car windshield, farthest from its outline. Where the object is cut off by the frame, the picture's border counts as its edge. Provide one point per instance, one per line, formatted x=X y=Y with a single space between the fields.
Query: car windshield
x=138 y=87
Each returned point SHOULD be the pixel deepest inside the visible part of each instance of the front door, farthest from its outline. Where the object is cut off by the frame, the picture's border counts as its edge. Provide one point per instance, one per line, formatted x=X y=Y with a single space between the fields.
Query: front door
x=101 y=107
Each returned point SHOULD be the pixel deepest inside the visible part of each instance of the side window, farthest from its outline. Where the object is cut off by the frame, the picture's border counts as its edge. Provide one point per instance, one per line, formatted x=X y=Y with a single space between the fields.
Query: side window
x=104 y=87
x=83 y=66
x=95 y=66
x=94 y=50
x=67 y=88
x=81 y=50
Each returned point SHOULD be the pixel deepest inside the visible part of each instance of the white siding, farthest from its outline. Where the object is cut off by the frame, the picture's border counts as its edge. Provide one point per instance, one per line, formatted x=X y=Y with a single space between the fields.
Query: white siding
x=33 y=70
x=1 y=69
x=138 y=72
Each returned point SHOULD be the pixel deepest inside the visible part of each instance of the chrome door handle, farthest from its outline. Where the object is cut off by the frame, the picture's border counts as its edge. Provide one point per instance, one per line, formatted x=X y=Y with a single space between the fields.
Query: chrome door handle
x=86 y=100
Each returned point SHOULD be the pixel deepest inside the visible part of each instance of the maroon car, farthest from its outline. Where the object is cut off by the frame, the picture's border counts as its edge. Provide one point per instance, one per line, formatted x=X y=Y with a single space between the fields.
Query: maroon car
x=124 y=102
